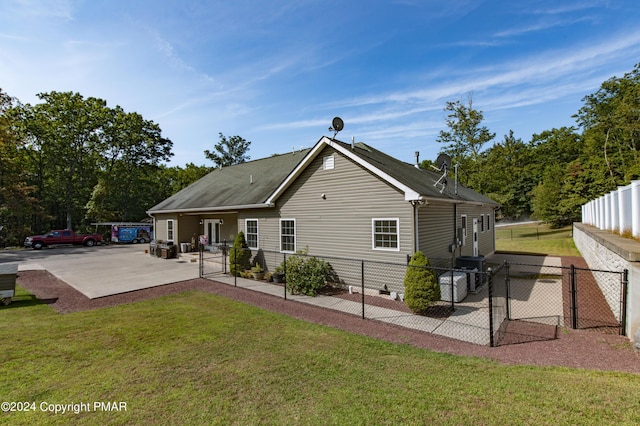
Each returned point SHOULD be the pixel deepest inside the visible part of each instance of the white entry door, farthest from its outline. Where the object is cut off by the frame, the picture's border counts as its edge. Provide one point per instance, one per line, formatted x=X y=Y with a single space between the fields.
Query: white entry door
x=212 y=230
x=475 y=236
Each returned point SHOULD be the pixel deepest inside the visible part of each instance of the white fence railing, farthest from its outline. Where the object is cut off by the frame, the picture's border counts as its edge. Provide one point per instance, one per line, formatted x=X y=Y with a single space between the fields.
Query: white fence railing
x=617 y=211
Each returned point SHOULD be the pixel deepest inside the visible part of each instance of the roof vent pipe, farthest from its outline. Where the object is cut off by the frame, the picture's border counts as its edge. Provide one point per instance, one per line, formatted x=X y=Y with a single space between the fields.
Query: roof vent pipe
x=353 y=142
x=417 y=154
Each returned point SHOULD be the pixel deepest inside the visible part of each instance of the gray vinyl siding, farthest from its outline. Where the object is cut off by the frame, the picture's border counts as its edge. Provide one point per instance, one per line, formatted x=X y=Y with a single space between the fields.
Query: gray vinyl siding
x=486 y=239
x=340 y=224
x=436 y=232
x=160 y=227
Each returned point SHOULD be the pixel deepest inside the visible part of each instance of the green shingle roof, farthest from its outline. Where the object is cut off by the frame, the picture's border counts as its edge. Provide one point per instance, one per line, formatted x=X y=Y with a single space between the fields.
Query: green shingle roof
x=420 y=180
x=241 y=185
x=250 y=184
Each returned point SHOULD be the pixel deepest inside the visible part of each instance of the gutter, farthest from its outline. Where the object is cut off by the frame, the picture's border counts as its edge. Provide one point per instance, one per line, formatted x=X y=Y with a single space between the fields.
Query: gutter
x=213 y=209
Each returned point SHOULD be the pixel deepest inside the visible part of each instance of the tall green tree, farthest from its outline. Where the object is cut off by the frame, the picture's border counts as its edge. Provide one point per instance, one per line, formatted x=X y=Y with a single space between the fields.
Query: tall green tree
x=610 y=118
x=229 y=151
x=90 y=162
x=18 y=206
x=465 y=139
x=555 y=153
x=131 y=150
x=63 y=133
x=509 y=176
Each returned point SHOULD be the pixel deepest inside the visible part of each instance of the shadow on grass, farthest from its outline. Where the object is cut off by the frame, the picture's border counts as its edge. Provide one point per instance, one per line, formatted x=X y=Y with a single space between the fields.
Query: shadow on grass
x=25 y=301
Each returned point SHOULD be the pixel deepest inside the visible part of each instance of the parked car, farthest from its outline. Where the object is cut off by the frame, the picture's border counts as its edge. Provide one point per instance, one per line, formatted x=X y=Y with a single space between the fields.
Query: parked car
x=64 y=236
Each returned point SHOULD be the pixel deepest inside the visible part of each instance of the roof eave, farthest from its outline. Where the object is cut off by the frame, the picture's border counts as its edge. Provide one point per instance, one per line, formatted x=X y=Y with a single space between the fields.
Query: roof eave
x=212 y=209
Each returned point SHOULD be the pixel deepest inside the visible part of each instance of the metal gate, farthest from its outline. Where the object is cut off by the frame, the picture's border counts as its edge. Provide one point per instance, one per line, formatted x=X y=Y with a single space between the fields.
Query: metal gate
x=539 y=299
x=213 y=261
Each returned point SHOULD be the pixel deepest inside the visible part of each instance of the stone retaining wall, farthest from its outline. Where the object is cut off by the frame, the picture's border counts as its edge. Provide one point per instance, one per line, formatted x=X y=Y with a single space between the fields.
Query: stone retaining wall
x=607 y=251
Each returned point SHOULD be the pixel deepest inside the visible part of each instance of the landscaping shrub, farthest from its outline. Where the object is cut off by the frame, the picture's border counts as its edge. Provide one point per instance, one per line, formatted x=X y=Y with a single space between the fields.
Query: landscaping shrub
x=306 y=275
x=421 y=288
x=239 y=255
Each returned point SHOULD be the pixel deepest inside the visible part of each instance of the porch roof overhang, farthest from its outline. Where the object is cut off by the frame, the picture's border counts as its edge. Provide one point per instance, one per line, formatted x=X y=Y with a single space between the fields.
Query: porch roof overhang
x=201 y=210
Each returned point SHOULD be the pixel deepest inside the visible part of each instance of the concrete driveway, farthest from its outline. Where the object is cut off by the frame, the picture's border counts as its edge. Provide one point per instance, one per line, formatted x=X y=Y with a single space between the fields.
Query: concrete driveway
x=104 y=270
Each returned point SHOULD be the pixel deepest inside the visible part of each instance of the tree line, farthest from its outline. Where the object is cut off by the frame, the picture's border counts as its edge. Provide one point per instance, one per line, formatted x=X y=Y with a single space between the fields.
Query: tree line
x=69 y=161
x=557 y=171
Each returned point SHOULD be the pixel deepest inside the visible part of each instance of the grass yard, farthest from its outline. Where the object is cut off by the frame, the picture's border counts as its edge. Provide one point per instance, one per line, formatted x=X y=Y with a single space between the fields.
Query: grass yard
x=532 y=239
x=197 y=358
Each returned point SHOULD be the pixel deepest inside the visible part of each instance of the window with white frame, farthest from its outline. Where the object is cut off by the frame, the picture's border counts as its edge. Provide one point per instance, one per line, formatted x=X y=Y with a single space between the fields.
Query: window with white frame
x=328 y=162
x=288 y=235
x=463 y=225
x=170 y=229
x=251 y=233
x=488 y=222
x=481 y=223
x=386 y=234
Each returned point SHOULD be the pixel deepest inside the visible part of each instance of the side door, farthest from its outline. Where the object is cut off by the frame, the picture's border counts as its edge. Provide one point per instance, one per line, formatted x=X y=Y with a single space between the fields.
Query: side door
x=475 y=236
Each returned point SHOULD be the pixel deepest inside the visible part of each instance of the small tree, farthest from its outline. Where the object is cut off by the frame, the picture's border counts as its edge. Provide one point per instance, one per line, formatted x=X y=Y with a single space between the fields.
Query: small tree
x=240 y=255
x=421 y=288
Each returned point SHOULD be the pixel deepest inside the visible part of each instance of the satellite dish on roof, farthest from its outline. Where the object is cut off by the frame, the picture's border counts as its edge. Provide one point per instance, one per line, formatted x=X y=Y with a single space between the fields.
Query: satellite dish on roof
x=443 y=162
x=336 y=125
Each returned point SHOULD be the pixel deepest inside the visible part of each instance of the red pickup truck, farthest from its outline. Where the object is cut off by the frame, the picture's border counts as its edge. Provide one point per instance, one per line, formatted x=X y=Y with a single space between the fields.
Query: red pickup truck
x=65 y=236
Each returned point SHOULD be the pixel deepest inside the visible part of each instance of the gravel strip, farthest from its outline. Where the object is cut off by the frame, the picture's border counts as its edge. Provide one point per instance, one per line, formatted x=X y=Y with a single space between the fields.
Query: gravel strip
x=572 y=348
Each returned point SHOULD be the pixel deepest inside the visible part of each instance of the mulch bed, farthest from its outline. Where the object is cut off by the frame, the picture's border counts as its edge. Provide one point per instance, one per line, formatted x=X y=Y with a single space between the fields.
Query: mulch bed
x=572 y=348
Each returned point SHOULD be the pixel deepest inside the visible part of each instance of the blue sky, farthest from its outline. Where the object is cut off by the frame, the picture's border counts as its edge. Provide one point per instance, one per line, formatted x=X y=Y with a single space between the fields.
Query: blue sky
x=276 y=72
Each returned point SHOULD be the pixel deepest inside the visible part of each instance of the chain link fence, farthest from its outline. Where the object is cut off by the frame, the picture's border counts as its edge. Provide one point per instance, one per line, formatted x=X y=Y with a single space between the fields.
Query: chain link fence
x=507 y=303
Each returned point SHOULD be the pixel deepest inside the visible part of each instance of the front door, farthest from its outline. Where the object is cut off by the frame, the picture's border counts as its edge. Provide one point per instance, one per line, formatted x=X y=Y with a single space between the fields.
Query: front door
x=475 y=236
x=212 y=230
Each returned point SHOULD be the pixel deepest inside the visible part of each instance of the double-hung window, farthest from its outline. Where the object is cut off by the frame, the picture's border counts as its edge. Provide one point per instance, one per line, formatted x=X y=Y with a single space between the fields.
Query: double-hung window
x=386 y=234
x=251 y=233
x=170 y=223
x=288 y=235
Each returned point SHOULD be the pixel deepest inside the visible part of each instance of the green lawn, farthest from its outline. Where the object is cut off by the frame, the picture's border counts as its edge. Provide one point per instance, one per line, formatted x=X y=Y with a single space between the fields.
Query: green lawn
x=536 y=240
x=196 y=358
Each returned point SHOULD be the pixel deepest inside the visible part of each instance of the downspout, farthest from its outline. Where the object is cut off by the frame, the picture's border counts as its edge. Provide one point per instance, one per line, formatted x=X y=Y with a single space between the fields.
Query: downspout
x=416 y=239
x=455 y=231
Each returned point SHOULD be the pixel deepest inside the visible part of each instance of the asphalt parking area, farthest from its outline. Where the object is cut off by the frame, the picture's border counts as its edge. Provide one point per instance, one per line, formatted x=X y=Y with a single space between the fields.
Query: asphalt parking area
x=104 y=270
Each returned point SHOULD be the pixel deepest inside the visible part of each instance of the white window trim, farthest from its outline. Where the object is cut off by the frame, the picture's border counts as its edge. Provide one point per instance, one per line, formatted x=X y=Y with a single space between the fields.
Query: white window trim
x=463 y=225
x=246 y=232
x=173 y=229
x=488 y=224
x=373 y=233
x=295 y=235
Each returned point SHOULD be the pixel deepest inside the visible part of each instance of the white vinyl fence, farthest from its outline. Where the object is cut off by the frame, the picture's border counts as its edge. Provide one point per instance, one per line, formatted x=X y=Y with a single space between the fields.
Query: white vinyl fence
x=617 y=211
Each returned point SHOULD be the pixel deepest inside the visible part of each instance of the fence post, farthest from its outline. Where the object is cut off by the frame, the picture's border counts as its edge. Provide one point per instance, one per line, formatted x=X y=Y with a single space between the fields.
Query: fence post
x=284 y=262
x=490 y=291
x=224 y=256
x=623 y=302
x=362 y=285
x=200 y=260
x=574 y=297
x=507 y=286
x=235 y=266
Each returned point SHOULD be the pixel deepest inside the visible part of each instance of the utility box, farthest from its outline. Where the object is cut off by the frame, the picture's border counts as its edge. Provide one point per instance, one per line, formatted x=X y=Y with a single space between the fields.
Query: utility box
x=8 y=274
x=459 y=286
